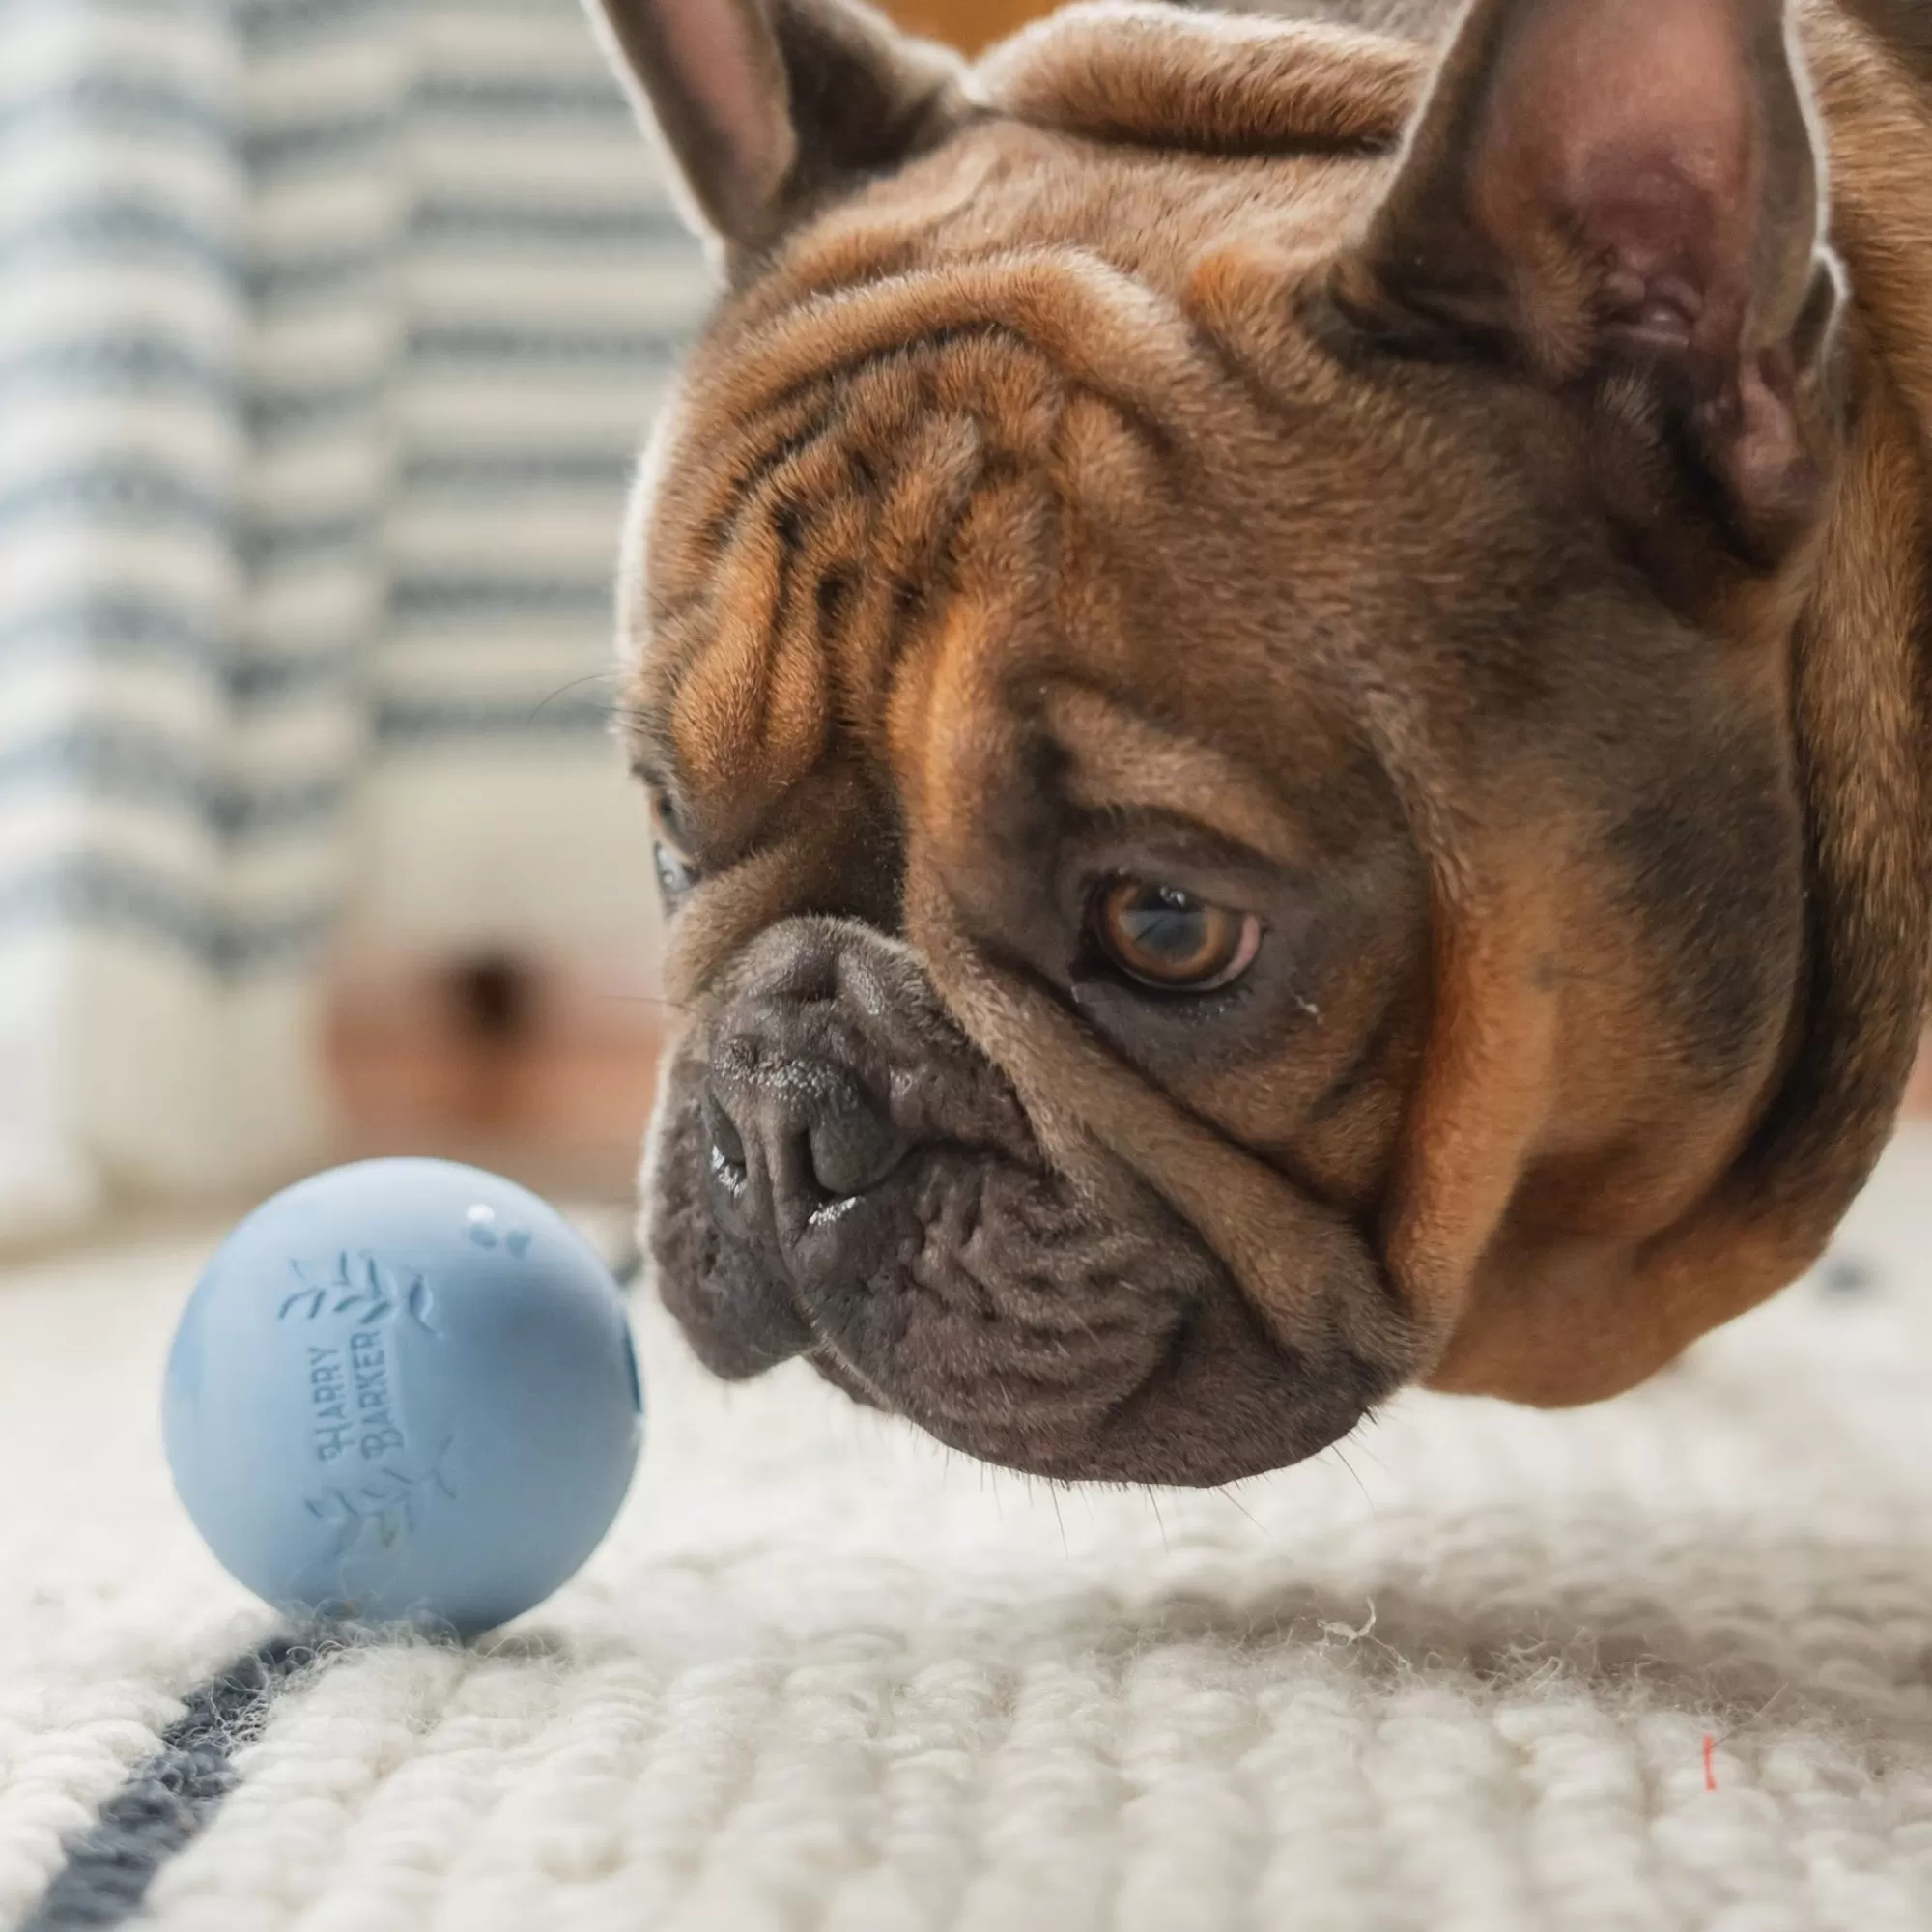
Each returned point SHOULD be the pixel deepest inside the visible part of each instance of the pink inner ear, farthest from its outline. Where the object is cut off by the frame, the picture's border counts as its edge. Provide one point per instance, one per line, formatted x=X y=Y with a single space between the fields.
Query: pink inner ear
x=730 y=75
x=1633 y=125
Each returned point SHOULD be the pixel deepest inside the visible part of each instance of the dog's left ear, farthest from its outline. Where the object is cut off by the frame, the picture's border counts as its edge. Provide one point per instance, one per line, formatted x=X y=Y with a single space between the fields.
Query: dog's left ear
x=1603 y=189
x=769 y=107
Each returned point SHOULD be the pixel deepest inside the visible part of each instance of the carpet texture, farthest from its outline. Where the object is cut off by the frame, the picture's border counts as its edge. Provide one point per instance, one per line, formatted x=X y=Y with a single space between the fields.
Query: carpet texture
x=824 y=1675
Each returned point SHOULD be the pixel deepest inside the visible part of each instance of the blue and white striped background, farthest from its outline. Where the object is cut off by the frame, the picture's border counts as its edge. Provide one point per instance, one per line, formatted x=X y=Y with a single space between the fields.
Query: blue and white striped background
x=327 y=332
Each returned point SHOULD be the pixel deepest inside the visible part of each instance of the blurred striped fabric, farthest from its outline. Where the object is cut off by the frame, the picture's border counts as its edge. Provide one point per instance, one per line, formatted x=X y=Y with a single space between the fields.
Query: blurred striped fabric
x=329 y=330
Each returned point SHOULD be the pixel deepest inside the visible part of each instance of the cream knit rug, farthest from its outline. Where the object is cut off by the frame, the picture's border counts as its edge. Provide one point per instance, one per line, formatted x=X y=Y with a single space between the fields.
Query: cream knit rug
x=824 y=1676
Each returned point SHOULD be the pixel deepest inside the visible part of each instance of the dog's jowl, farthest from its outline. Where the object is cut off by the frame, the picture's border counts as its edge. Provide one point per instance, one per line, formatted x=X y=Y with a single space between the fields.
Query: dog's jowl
x=1280 y=670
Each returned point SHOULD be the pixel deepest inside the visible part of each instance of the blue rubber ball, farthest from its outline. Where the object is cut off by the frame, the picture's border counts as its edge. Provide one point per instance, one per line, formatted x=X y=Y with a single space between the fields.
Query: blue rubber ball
x=404 y=1391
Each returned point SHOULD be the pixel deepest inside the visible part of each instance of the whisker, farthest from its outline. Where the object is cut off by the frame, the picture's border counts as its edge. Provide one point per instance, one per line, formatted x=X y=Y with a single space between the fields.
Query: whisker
x=1242 y=1506
x=1352 y=1477
x=647 y=1000
x=576 y=683
x=1153 y=1503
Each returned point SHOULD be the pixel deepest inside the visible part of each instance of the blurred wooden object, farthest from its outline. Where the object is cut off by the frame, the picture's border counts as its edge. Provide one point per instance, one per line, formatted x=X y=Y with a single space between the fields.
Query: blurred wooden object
x=969 y=26
x=538 y=1074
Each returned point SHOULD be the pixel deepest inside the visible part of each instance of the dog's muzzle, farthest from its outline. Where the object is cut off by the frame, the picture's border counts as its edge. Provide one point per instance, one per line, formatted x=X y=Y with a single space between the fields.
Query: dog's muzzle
x=840 y=1174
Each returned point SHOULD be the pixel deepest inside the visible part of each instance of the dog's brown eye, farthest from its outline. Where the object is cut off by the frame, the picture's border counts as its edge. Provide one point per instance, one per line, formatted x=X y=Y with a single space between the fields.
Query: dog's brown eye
x=1170 y=940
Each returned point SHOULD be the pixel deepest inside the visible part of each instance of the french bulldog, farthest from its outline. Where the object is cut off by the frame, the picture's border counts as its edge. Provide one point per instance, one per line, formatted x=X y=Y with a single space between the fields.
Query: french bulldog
x=1281 y=664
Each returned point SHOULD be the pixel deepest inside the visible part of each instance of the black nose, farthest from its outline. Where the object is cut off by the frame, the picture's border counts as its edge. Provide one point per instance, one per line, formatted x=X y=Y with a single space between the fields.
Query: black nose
x=793 y=1130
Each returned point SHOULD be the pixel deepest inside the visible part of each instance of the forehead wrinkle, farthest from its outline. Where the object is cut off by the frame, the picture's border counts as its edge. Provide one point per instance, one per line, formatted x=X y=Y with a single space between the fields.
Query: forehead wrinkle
x=1104 y=329
x=922 y=507
x=1220 y=83
x=940 y=701
x=877 y=494
x=760 y=689
x=719 y=702
x=907 y=540
x=914 y=467
x=1118 y=759
x=732 y=659
x=735 y=478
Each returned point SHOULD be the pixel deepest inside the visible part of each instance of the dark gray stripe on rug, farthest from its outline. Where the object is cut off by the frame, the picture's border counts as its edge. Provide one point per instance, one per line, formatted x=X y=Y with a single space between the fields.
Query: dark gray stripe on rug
x=169 y=1797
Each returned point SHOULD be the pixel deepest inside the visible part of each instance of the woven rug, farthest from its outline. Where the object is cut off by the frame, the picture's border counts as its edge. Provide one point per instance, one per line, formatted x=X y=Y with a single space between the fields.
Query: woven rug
x=1662 y=1663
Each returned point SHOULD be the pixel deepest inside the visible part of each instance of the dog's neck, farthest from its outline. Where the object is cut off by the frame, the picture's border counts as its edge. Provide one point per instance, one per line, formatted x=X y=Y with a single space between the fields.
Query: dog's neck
x=1872 y=64
x=1861 y=658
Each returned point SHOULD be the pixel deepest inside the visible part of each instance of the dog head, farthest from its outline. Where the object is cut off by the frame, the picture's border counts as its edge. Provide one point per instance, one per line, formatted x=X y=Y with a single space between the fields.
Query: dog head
x=1276 y=682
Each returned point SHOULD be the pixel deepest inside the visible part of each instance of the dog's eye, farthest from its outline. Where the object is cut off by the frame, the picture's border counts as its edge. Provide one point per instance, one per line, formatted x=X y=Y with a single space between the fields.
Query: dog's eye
x=1170 y=940
x=676 y=874
x=664 y=820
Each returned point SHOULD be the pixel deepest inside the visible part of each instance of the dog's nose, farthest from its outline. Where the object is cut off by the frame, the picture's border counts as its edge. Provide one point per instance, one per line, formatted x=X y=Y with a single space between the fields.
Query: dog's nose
x=792 y=1133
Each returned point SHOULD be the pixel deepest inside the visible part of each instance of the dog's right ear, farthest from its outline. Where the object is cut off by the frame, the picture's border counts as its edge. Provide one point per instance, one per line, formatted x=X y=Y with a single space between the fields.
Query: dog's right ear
x=1632 y=190
x=769 y=106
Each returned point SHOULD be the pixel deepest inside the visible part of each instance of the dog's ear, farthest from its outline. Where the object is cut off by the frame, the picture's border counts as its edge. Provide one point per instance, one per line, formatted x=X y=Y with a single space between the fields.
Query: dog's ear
x=1603 y=189
x=766 y=106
